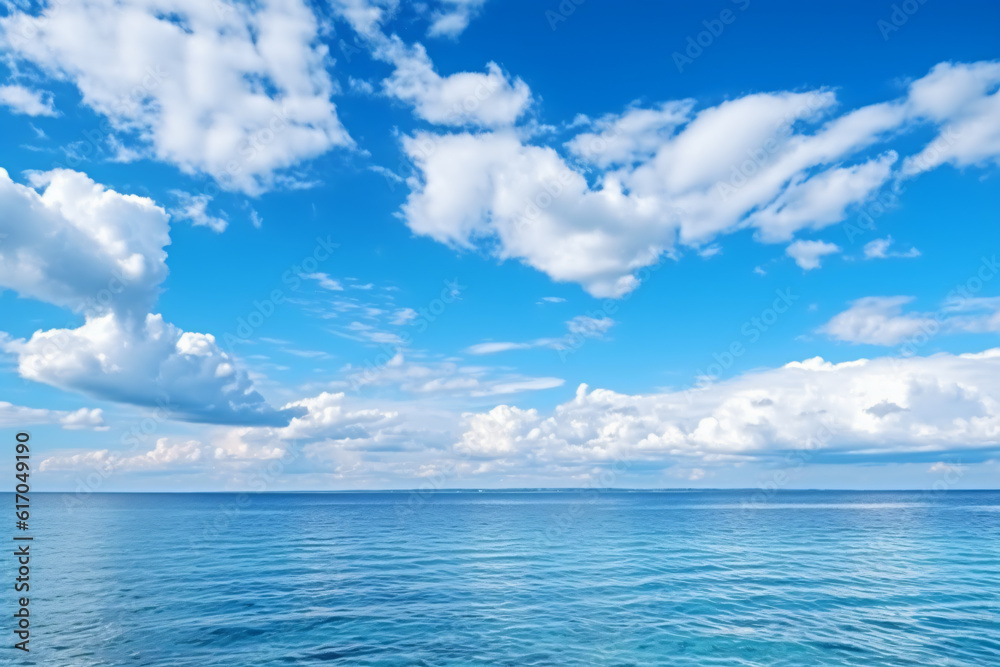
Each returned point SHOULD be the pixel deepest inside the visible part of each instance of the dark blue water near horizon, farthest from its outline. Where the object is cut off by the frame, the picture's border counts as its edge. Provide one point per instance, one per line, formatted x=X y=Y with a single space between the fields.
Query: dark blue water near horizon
x=512 y=578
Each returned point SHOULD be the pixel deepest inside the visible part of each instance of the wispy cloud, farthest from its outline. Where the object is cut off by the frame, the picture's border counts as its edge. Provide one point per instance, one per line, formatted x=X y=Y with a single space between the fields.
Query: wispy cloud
x=581 y=326
x=194 y=209
x=881 y=249
x=325 y=281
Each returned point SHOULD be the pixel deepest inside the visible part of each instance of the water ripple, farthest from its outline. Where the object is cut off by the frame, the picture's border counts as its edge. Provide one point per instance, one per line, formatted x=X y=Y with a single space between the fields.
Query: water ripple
x=616 y=578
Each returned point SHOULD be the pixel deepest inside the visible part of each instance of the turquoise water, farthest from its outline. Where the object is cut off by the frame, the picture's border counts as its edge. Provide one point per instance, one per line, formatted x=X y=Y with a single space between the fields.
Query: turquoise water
x=515 y=578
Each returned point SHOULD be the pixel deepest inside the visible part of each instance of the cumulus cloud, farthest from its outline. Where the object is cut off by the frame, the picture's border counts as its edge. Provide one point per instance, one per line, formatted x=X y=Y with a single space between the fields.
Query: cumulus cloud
x=490 y=99
x=72 y=242
x=809 y=254
x=148 y=363
x=879 y=407
x=16 y=416
x=500 y=432
x=78 y=245
x=819 y=412
x=452 y=17
x=365 y=16
x=542 y=211
x=167 y=454
x=463 y=98
x=333 y=425
x=539 y=210
x=26 y=101
x=231 y=90
x=83 y=419
x=670 y=174
x=330 y=428
x=328 y=416
x=877 y=320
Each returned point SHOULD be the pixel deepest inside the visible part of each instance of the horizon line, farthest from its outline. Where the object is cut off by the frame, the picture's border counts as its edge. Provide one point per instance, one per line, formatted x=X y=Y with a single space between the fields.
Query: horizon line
x=531 y=489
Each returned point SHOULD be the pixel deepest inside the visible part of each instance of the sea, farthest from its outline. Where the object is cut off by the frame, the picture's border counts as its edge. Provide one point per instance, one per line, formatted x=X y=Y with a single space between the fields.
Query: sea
x=525 y=577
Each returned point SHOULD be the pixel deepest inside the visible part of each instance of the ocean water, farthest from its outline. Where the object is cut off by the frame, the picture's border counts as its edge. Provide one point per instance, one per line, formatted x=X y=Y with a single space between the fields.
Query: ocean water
x=513 y=578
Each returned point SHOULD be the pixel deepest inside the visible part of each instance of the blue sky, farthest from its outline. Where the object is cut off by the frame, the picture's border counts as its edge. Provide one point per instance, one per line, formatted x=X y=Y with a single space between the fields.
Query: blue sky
x=481 y=244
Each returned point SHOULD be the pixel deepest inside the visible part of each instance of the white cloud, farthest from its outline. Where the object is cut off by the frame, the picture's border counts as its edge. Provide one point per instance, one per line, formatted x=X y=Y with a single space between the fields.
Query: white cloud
x=403 y=316
x=880 y=249
x=878 y=320
x=489 y=99
x=963 y=313
x=709 y=251
x=464 y=98
x=453 y=17
x=424 y=377
x=518 y=386
x=877 y=249
x=545 y=213
x=95 y=459
x=79 y=245
x=83 y=419
x=167 y=454
x=373 y=316
x=634 y=136
x=370 y=333
x=386 y=173
x=579 y=328
x=325 y=281
x=328 y=416
x=499 y=432
x=965 y=101
x=551 y=299
x=147 y=363
x=360 y=86
x=670 y=175
x=26 y=101
x=365 y=16
x=255 y=219
x=330 y=428
x=231 y=90
x=449 y=18
x=500 y=346
x=15 y=416
x=808 y=412
x=923 y=404
x=809 y=254
x=821 y=200
x=474 y=187
x=586 y=325
x=194 y=208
